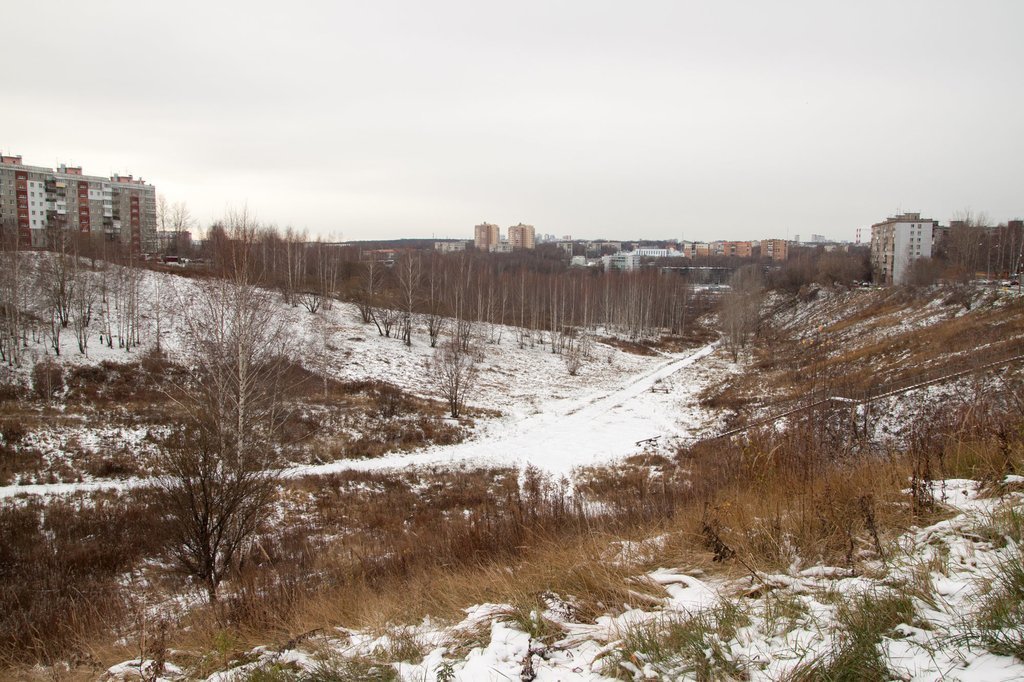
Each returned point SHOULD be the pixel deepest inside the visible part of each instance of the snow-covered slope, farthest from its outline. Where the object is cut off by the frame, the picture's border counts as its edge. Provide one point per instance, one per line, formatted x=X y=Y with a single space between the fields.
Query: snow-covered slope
x=548 y=417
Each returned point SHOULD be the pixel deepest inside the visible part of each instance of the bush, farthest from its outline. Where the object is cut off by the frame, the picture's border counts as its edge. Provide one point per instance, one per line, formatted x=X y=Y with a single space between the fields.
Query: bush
x=390 y=401
x=13 y=430
x=47 y=379
x=10 y=387
x=59 y=584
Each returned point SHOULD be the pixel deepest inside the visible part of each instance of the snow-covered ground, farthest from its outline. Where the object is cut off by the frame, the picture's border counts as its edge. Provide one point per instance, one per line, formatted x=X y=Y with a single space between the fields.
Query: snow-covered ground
x=953 y=559
x=563 y=433
x=548 y=417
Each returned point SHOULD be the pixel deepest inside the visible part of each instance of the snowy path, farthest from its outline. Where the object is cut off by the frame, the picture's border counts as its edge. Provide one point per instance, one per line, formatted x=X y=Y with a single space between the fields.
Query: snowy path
x=595 y=429
x=557 y=436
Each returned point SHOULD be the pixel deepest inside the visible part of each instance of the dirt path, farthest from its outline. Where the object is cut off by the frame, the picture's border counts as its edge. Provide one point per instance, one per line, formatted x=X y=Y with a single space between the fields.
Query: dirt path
x=597 y=428
x=561 y=435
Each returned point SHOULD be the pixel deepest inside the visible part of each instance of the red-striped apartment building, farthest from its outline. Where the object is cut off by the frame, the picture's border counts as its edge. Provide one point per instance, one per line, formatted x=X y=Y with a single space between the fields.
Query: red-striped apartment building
x=37 y=204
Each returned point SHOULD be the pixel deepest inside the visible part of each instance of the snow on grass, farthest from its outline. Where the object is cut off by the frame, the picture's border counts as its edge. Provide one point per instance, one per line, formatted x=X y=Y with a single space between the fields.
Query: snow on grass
x=549 y=418
x=914 y=617
x=560 y=433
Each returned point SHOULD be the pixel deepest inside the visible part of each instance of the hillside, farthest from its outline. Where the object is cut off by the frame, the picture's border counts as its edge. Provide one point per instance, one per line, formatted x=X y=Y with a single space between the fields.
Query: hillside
x=118 y=403
x=568 y=526
x=869 y=349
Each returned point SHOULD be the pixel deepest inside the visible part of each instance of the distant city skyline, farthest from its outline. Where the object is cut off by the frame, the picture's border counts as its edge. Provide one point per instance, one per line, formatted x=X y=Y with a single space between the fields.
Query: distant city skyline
x=660 y=120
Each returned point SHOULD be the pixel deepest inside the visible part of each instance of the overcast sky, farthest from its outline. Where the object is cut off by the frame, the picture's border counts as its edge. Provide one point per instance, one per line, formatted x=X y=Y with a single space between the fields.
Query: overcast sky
x=695 y=120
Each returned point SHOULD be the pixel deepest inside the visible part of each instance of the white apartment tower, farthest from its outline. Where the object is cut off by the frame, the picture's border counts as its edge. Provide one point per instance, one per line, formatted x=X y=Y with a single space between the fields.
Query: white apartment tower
x=896 y=243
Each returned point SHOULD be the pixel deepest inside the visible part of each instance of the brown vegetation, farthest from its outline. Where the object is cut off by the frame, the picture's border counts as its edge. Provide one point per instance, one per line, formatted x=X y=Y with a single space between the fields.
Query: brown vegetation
x=870 y=343
x=393 y=547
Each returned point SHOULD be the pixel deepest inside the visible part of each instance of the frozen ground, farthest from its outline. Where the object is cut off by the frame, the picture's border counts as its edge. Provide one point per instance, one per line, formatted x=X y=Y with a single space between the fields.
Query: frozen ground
x=565 y=433
x=950 y=562
x=548 y=418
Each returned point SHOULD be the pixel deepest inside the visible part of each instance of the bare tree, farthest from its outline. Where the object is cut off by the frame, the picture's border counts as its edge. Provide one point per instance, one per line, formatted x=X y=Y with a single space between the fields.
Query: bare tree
x=156 y=303
x=82 y=301
x=966 y=242
x=740 y=308
x=459 y=286
x=181 y=221
x=12 y=295
x=295 y=252
x=326 y=272
x=219 y=479
x=434 y=312
x=370 y=284
x=409 y=275
x=454 y=372
x=127 y=299
x=385 y=317
x=57 y=284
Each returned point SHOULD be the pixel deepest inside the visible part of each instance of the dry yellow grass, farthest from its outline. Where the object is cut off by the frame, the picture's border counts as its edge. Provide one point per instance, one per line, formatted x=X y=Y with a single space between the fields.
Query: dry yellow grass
x=756 y=504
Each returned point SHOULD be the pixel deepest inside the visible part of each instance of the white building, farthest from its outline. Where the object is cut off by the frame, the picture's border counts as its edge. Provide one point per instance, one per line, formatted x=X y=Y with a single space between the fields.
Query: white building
x=451 y=246
x=650 y=252
x=621 y=261
x=896 y=243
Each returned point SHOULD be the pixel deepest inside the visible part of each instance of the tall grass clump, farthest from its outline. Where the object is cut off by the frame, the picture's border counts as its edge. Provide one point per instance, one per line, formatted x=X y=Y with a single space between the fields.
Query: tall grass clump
x=999 y=624
x=863 y=621
x=674 y=646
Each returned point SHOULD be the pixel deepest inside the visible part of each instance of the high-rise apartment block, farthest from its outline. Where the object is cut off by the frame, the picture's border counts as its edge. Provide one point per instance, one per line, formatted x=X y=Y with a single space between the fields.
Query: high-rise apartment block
x=521 y=236
x=896 y=243
x=38 y=203
x=486 y=236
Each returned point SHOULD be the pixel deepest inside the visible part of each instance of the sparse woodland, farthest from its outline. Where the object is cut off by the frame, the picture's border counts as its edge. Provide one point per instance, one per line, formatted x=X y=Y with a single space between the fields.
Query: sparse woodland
x=219 y=553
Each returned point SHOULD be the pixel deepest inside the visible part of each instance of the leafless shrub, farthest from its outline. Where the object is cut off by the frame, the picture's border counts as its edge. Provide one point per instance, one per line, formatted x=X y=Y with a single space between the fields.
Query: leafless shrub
x=577 y=353
x=311 y=300
x=390 y=400
x=216 y=504
x=47 y=379
x=13 y=430
x=219 y=477
x=453 y=371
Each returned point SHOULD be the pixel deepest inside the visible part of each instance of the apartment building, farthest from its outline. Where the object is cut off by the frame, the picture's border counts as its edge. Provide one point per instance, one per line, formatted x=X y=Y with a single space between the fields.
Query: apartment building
x=486 y=236
x=653 y=252
x=897 y=242
x=450 y=246
x=622 y=260
x=39 y=203
x=776 y=249
x=738 y=249
x=521 y=236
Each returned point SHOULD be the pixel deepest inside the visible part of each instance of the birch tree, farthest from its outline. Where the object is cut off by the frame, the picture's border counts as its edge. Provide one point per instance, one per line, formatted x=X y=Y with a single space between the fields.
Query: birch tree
x=219 y=478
